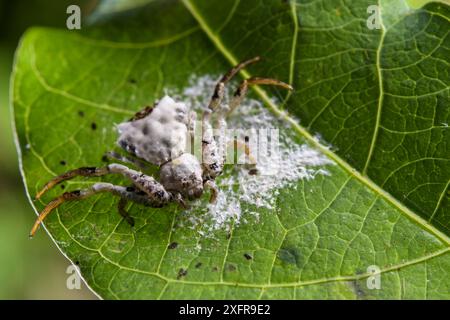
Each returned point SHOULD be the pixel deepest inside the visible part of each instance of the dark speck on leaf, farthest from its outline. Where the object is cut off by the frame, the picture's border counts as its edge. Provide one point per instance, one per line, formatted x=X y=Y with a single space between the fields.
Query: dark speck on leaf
x=105 y=158
x=93 y=126
x=62 y=162
x=182 y=273
x=77 y=262
x=228 y=235
x=133 y=81
x=81 y=113
x=198 y=265
x=215 y=269
x=247 y=256
x=173 y=245
x=231 y=267
x=63 y=186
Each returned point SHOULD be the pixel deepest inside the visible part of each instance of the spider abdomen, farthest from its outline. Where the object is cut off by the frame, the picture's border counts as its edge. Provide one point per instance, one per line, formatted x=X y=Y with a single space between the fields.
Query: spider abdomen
x=158 y=137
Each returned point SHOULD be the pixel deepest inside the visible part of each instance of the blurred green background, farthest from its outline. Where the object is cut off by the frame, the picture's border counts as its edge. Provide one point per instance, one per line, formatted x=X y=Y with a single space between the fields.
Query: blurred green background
x=31 y=269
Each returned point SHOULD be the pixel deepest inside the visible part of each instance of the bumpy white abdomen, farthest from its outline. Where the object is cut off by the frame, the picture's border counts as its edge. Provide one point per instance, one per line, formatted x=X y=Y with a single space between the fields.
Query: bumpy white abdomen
x=159 y=137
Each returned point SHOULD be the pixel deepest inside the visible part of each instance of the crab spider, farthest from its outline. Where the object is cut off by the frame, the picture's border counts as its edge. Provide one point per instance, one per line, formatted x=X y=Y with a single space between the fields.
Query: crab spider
x=157 y=135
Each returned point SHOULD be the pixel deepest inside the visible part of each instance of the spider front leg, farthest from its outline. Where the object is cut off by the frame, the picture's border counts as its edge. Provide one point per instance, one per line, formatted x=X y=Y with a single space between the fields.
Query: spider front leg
x=125 y=193
x=145 y=183
x=219 y=90
x=211 y=185
x=242 y=90
x=112 y=155
x=213 y=152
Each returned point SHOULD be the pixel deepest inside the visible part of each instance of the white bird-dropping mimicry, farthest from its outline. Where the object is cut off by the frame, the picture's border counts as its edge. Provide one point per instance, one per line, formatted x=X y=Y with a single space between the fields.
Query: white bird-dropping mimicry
x=158 y=137
x=291 y=163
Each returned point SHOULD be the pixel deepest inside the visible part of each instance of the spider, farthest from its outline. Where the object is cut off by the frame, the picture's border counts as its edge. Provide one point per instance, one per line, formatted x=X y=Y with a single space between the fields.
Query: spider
x=157 y=135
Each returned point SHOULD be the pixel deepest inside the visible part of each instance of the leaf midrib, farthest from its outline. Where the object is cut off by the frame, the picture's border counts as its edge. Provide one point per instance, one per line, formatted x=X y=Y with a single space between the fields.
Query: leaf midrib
x=414 y=217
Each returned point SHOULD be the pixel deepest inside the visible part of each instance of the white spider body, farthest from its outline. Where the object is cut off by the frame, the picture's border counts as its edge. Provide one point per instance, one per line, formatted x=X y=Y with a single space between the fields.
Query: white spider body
x=160 y=138
x=159 y=135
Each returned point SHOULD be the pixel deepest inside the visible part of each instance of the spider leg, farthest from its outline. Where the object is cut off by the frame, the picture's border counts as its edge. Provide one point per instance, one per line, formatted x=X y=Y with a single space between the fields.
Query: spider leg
x=143 y=113
x=178 y=198
x=210 y=184
x=126 y=159
x=213 y=152
x=241 y=91
x=250 y=160
x=153 y=189
x=129 y=194
x=123 y=212
x=220 y=86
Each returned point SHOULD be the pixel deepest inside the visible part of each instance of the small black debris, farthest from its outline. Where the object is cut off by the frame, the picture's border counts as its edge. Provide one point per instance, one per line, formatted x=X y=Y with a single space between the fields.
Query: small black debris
x=173 y=245
x=231 y=267
x=198 y=265
x=182 y=273
x=62 y=162
x=93 y=126
x=247 y=256
x=81 y=113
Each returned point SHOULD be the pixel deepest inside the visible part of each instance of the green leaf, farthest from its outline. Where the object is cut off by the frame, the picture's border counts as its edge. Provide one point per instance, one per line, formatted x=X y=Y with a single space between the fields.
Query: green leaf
x=379 y=97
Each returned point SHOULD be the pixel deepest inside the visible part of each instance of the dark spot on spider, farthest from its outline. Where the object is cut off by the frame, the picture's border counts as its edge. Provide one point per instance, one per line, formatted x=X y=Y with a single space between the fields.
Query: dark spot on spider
x=205 y=142
x=141 y=193
x=238 y=92
x=198 y=265
x=231 y=267
x=160 y=194
x=76 y=192
x=247 y=256
x=145 y=130
x=89 y=169
x=128 y=147
x=215 y=94
x=133 y=81
x=213 y=166
x=253 y=172
x=93 y=126
x=173 y=245
x=81 y=113
x=105 y=158
x=182 y=273
x=166 y=142
x=62 y=162
x=130 y=189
